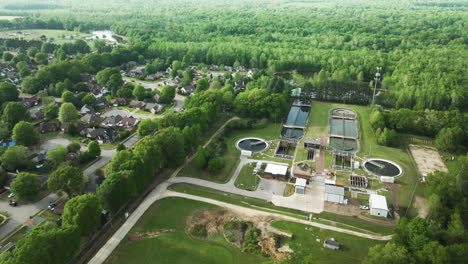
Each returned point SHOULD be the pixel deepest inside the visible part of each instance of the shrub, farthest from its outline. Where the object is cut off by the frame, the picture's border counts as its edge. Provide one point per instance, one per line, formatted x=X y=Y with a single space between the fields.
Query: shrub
x=199 y=231
x=216 y=164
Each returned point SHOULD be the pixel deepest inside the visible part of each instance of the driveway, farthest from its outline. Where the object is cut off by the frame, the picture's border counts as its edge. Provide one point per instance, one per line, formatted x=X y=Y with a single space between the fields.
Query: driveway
x=53 y=143
x=272 y=186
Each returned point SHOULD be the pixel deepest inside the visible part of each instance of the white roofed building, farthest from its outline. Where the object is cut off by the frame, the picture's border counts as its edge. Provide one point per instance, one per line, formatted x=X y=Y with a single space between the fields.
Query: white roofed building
x=378 y=205
x=300 y=185
x=276 y=171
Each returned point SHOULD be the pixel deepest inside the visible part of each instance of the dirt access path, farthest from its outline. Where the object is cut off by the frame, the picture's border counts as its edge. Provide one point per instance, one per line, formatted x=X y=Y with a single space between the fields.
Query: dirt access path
x=320 y=162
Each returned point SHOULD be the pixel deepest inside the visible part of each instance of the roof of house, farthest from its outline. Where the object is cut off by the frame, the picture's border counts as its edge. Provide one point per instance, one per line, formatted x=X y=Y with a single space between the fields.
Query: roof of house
x=301 y=182
x=112 y=120
x=129 y=121
x=332 y=189
x=378 y=202
x=276 y=169
x=91 y=118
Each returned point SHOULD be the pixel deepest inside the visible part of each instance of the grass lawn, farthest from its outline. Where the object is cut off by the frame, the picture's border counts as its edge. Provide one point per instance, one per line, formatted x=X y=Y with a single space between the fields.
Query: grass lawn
x=247 y=180
x=363 y=199
x=318 y=124
x=356 y=222
x=289 y=190
x=232 y=154
x=306 y=247
x=176 y=247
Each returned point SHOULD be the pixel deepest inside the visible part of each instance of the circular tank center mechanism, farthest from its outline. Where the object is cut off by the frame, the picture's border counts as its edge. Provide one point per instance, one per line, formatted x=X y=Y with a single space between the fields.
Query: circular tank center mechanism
x=252 y=144
x=383 y=167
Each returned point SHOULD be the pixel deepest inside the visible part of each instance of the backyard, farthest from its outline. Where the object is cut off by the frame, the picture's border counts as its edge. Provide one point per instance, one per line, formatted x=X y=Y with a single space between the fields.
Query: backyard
x=175 y=246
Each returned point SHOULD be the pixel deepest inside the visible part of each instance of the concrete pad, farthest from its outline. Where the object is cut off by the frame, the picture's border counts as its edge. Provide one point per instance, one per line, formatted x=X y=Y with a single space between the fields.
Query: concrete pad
x=272 y=186
x=311 y=201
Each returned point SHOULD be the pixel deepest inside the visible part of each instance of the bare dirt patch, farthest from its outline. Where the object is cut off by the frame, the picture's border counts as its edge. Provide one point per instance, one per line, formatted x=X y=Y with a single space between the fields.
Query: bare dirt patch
x=150 y=234
x=421 y=205
x=427 y=159
x=215 y=219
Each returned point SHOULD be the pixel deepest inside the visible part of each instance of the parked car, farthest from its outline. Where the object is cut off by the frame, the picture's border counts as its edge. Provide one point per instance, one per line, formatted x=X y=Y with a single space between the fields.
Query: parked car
x=364 y=207
x=11 y=195
x=13 y=203
x=3 y=190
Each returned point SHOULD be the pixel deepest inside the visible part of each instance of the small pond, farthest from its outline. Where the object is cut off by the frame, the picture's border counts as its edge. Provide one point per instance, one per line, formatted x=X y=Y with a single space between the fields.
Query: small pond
x=252 y=144
x=383 y=167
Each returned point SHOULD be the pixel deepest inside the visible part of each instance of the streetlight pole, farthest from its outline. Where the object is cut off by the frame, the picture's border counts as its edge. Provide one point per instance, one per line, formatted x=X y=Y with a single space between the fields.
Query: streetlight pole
x=376 y=79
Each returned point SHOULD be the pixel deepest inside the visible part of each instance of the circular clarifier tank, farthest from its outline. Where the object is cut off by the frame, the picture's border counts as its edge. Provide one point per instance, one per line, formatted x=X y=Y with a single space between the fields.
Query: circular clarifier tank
x=382 y=167
x=252 y=144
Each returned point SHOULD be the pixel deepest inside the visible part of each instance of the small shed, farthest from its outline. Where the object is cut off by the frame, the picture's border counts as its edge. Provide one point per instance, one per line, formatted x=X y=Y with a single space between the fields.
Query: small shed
x=331 y=243
x=246 y=153
x=335 y=194
x=276 y=171
x=378 y=205
x=300 y=185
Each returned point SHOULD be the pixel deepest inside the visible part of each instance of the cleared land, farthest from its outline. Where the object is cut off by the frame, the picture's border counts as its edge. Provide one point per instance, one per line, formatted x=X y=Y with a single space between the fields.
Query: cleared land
x=168 y=219
x=8 y=17
x=427 y=159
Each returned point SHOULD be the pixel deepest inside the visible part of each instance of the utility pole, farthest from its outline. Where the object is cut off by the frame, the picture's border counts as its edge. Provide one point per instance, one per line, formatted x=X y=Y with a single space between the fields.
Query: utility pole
x=376 y=79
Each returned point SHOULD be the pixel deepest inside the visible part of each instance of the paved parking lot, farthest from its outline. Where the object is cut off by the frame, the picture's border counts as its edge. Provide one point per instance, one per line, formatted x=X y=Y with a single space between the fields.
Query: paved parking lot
x=311 y=201
x=272 y=186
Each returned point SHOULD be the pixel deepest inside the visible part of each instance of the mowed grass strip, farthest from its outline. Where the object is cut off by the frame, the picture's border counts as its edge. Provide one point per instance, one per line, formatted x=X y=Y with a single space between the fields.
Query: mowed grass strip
x=247 y=180
x=176 y=247
x=308 y=245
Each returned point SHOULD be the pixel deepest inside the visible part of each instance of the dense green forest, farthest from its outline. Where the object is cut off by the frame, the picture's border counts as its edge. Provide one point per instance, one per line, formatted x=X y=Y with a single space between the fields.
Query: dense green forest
x=421 y=45
x=329 y=48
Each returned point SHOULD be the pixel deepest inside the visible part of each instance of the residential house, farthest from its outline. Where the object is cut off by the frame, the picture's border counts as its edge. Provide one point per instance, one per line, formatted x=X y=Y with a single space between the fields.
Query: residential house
x=102 y=103
x=37 y=113
x=214 y=68
x=121 y=101
x=29 y=100
x=186 y=90
x=101 y=135
x=153 y=108
x=137 y=104
x=47 y=127
x=156 y=76
x=112 y=121
x=87 y=109
x=91 y=118
x=134 y=73
x=129 y=122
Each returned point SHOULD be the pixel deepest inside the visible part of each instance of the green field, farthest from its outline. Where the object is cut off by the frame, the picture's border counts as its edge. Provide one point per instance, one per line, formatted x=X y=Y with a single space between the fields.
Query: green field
x=231 y=155
x=246 y=179
x=176 y=247
x=318 y=124
x=308 y=250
